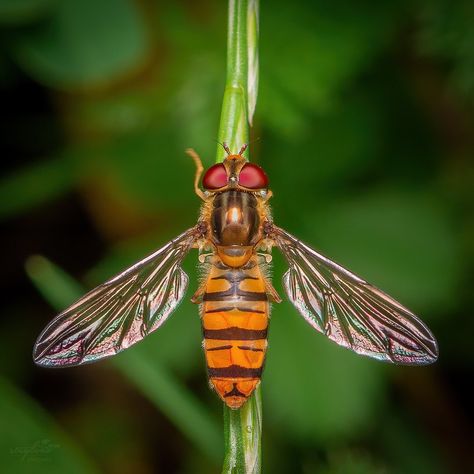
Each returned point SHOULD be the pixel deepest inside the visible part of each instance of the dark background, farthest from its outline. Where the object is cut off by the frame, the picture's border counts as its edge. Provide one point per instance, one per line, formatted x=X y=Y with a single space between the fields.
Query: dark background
x=365 y=127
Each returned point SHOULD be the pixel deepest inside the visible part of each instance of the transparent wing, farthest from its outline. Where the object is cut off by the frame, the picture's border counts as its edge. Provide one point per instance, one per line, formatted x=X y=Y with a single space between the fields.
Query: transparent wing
x=120 y=312
x=350 y=311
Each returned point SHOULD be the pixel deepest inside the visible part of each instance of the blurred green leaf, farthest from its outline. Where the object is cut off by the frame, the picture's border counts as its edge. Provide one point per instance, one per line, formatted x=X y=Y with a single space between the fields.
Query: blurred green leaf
x=351 y=462
x=401 y=241
x=408 y=449
x=85 y=43
x=330 y=44
x=447 y=33
x=343 y=144
x=39 y=183
x=30 y=442
x=22 y=11
x=314 y=389
x=66 y=289
x=149 y=166
x=185 y=410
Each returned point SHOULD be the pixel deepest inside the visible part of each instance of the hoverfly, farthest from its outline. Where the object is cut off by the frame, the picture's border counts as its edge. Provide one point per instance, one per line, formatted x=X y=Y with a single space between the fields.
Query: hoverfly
x=235 y=235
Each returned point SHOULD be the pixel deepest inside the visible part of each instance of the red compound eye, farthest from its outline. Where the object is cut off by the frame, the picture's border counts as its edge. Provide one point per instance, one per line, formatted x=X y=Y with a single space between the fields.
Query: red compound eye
x=215 y=177
x=253 y=177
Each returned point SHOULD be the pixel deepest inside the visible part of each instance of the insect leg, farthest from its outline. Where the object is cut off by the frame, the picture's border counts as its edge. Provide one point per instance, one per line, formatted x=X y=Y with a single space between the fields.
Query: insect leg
x=265 y=257
x=269 y=290
x=197 y=297
x=199 y=170
x=268 y=196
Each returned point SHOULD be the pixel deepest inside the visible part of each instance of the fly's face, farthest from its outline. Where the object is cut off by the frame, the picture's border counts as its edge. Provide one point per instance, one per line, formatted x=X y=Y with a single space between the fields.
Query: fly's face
x=235 y=173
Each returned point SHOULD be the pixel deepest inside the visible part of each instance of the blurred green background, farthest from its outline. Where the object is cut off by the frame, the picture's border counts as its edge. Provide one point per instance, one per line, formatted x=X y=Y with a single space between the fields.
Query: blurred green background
x=365 y=125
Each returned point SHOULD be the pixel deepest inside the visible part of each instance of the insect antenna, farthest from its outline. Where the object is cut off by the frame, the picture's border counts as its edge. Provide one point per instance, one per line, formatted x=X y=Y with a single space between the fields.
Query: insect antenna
x=244 y=147
x=225 y=146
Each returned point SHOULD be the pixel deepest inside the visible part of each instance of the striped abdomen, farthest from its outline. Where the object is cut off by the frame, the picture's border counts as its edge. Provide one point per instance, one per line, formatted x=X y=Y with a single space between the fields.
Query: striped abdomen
x=235 y=320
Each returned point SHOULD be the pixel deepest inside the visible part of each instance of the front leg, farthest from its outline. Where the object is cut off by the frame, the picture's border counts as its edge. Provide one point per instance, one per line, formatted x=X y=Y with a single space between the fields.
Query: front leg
x=199 y=171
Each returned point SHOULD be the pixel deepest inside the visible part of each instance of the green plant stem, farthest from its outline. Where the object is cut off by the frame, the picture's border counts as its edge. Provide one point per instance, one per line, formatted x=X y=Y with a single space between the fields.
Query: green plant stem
x=243 y=433
x=234 y=124
x=243 y=427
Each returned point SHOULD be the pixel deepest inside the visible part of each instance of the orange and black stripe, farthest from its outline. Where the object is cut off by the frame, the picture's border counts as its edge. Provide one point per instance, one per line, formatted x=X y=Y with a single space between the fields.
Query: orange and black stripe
x=235 y=322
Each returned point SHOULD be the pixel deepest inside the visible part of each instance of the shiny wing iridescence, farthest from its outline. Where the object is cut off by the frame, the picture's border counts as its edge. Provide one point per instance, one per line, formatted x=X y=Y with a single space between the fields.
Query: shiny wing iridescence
x=120 y=312
x=350 y=311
